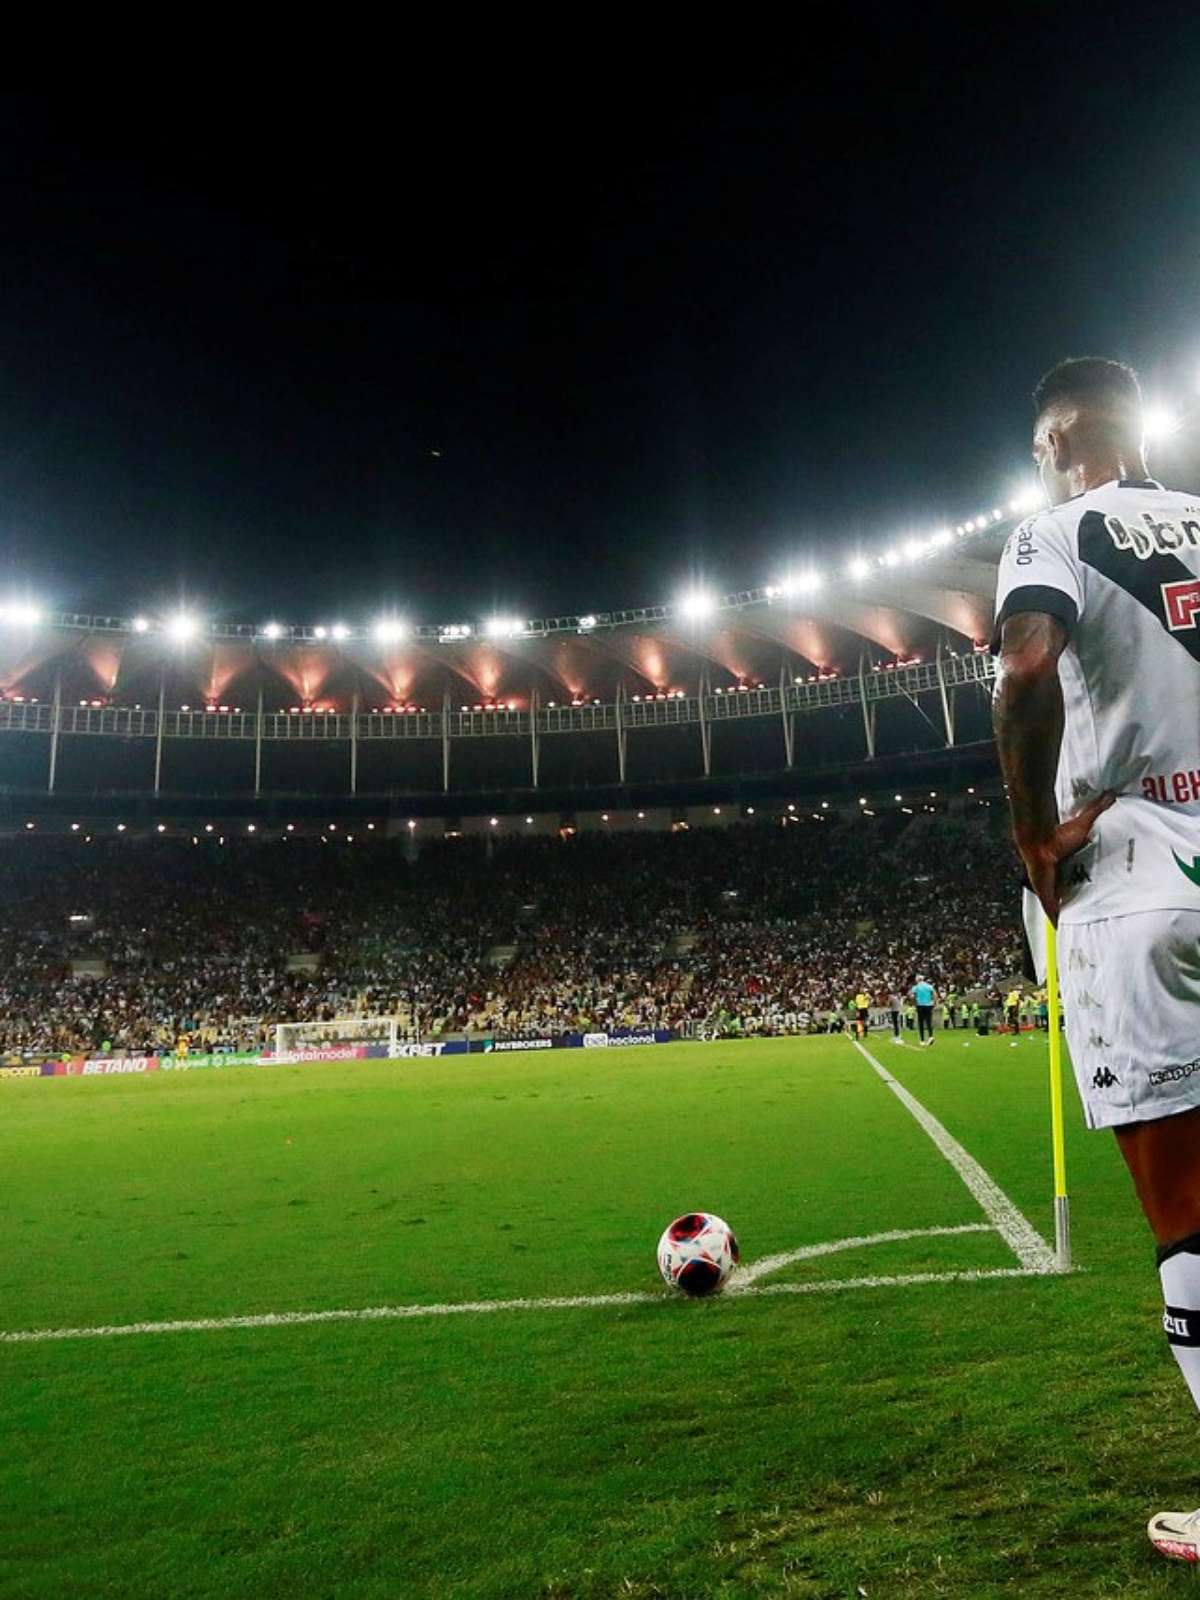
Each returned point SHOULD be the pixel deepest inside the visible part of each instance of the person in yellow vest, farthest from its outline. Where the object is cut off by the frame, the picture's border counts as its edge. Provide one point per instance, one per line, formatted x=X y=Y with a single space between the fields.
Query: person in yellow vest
x=1012 y=1006
x=862 y=1007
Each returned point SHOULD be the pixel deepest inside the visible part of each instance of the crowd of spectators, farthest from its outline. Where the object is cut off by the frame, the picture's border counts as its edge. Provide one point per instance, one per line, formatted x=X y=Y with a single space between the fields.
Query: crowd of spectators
x=755 y=928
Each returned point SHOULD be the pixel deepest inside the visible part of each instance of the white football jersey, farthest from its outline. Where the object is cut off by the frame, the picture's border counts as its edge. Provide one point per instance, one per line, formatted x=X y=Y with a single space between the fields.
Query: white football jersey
x=1120 y=567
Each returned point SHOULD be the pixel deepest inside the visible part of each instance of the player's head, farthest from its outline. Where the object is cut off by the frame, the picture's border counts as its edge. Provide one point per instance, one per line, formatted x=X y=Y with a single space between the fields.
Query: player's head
x=1087 y=425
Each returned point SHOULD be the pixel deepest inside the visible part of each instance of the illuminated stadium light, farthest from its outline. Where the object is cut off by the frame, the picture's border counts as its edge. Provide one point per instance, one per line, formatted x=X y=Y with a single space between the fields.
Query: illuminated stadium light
x=805 y=583
x=340 y=630
x=272 y=631
x=453 y=631
x=696 y=605
x=913 y=548
x=504 y=627
x=942 y=538
x=182 y=627
x=29 y=825
x=997 y=514
x=208 y=827
x=969 y=527
x=74 y=827
x=388 y=629
x=21 y=614
x=890 y=558
x=1159 y=422
x=140 y=625
x=1026 y=497
x=162 y=828
x=586 y=623
x=252 y=827
x=120 y=827
x=858 y=569
x=320 y=632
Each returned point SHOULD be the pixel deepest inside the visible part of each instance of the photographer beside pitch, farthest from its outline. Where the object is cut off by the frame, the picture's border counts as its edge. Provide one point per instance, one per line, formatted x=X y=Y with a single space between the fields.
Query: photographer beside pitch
x=1097 y=714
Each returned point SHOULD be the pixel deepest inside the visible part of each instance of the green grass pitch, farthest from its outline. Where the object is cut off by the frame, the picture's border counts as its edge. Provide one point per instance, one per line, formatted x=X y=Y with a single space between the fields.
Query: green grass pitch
x=995 y=1437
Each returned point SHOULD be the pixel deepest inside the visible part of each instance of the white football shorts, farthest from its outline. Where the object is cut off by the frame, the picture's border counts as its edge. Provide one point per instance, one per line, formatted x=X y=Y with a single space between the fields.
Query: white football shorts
x=1131 y=999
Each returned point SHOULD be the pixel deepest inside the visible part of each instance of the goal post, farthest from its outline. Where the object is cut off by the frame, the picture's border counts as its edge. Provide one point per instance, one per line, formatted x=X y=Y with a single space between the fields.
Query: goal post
x=293 y=1037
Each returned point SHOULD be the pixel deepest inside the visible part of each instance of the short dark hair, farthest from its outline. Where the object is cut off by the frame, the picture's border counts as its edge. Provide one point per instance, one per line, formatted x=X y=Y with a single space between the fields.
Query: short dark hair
x=1090 y=381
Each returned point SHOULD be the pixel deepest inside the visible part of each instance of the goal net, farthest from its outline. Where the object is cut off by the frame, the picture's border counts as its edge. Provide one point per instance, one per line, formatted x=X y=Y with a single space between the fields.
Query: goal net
x=293 y=1037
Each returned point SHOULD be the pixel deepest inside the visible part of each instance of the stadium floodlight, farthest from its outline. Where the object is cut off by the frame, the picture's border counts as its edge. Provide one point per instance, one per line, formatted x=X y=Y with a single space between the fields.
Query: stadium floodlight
x=161 y=828
x=140 y=625
x=696 y=605
x=859 y=568
x=942 y=538
x=388 y=630
x=890 y=557
x=804 y=583
x=272 y=631
x=120 y=827
x=320 y=632
x=181 y=627
x=997 y=514
x=503 y=627
x=1026 y=497
x=1159 y=422
x=22 y=614
x=586 y=624
x=913 y=548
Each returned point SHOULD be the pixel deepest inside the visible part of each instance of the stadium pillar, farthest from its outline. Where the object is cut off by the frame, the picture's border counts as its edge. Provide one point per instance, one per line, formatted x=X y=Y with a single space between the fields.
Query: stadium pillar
x=619 y=717
x=158 y=728
x=789 y=726
x=868 y=707
x=705 y=730
x=446 y=742
x=535 y=750
x=947 y=694
x=54 y=727
x=258 y=733
x=354 y=742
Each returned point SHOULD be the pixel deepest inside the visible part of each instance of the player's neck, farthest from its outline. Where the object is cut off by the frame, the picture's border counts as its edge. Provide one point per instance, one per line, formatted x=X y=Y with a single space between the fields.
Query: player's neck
x=1085 y=475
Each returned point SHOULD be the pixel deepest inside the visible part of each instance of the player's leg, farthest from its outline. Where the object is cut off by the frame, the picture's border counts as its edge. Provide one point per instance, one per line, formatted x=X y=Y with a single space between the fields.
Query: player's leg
x=1132 y=993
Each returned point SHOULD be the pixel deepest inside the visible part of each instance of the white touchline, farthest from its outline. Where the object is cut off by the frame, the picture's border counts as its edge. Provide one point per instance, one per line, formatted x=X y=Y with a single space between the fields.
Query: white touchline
x=588 y=1302
x=1030 y=1249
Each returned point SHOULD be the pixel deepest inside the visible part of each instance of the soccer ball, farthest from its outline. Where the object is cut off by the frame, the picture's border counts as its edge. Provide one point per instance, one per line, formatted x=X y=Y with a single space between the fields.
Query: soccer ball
x=697 y=1253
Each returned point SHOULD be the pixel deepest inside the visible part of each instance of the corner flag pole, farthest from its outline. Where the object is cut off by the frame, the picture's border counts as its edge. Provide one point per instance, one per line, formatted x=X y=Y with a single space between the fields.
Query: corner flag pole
x=1062 y=1205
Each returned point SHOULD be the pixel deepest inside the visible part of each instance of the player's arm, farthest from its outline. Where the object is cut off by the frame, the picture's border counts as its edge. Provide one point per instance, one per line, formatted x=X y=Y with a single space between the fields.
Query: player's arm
x=1027 y=711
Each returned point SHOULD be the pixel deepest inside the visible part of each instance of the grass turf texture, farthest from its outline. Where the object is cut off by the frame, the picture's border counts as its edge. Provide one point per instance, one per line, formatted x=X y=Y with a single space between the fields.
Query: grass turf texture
x=1005 y=1437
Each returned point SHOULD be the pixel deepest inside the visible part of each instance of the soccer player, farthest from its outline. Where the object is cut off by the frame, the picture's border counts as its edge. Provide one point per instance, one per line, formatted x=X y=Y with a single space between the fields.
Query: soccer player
x=1097 y=712
x=923 y=995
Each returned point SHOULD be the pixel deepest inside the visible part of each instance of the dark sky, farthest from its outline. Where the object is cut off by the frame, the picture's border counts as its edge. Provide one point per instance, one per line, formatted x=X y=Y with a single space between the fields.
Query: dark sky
x=655 y=328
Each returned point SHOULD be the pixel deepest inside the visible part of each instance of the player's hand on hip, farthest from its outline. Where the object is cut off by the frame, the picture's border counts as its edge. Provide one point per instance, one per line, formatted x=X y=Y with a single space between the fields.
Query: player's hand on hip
x=1044 y=858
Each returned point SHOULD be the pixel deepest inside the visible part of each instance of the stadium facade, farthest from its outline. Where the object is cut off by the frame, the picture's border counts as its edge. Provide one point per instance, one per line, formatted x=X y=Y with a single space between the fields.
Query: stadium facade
x=737 y=696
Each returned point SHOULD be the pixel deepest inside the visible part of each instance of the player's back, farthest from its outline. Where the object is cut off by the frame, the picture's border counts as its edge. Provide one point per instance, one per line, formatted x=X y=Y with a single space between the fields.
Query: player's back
x=1120 y=567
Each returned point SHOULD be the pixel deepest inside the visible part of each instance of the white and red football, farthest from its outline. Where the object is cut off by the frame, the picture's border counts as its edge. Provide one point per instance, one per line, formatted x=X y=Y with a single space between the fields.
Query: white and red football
x=697 y=1253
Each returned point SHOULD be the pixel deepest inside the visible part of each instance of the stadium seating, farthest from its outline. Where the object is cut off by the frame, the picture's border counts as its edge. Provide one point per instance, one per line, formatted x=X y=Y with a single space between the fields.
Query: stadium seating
x=754 y=929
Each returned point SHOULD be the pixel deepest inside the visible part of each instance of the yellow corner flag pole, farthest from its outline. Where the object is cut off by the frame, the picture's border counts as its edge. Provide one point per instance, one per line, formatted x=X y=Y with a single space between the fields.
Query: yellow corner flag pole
x=1062 y=1205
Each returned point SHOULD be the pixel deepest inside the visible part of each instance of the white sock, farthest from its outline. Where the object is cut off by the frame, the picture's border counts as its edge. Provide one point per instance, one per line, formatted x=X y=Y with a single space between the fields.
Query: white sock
x=1179 y=1270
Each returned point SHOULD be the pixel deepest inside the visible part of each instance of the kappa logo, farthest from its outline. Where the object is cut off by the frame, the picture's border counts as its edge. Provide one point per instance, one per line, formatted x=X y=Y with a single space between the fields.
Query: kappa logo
x=1105 y=1079
x=1174 y=1074
x=1181 y=602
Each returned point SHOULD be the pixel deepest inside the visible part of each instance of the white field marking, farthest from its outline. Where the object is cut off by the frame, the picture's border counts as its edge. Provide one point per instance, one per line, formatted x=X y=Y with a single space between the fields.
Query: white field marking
x=582 y=1302
x=1030 y=1249
x=745 y=1276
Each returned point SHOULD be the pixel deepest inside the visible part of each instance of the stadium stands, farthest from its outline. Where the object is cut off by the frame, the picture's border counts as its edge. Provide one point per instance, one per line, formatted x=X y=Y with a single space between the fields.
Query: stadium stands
x=759 y=928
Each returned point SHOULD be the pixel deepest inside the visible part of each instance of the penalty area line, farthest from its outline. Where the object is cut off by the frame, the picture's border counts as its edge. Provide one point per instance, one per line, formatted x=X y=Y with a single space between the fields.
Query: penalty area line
x=1030 y=1249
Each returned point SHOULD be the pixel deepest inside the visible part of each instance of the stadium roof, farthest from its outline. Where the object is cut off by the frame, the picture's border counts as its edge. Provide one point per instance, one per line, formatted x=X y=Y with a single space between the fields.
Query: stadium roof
x=903 y=606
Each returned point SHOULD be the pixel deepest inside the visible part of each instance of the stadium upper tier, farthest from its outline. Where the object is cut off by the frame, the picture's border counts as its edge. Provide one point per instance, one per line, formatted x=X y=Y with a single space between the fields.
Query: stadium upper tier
x=905 y=626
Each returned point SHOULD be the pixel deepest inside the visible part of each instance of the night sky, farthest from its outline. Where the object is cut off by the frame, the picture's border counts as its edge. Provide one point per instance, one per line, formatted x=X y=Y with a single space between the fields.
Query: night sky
x=486 y=343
